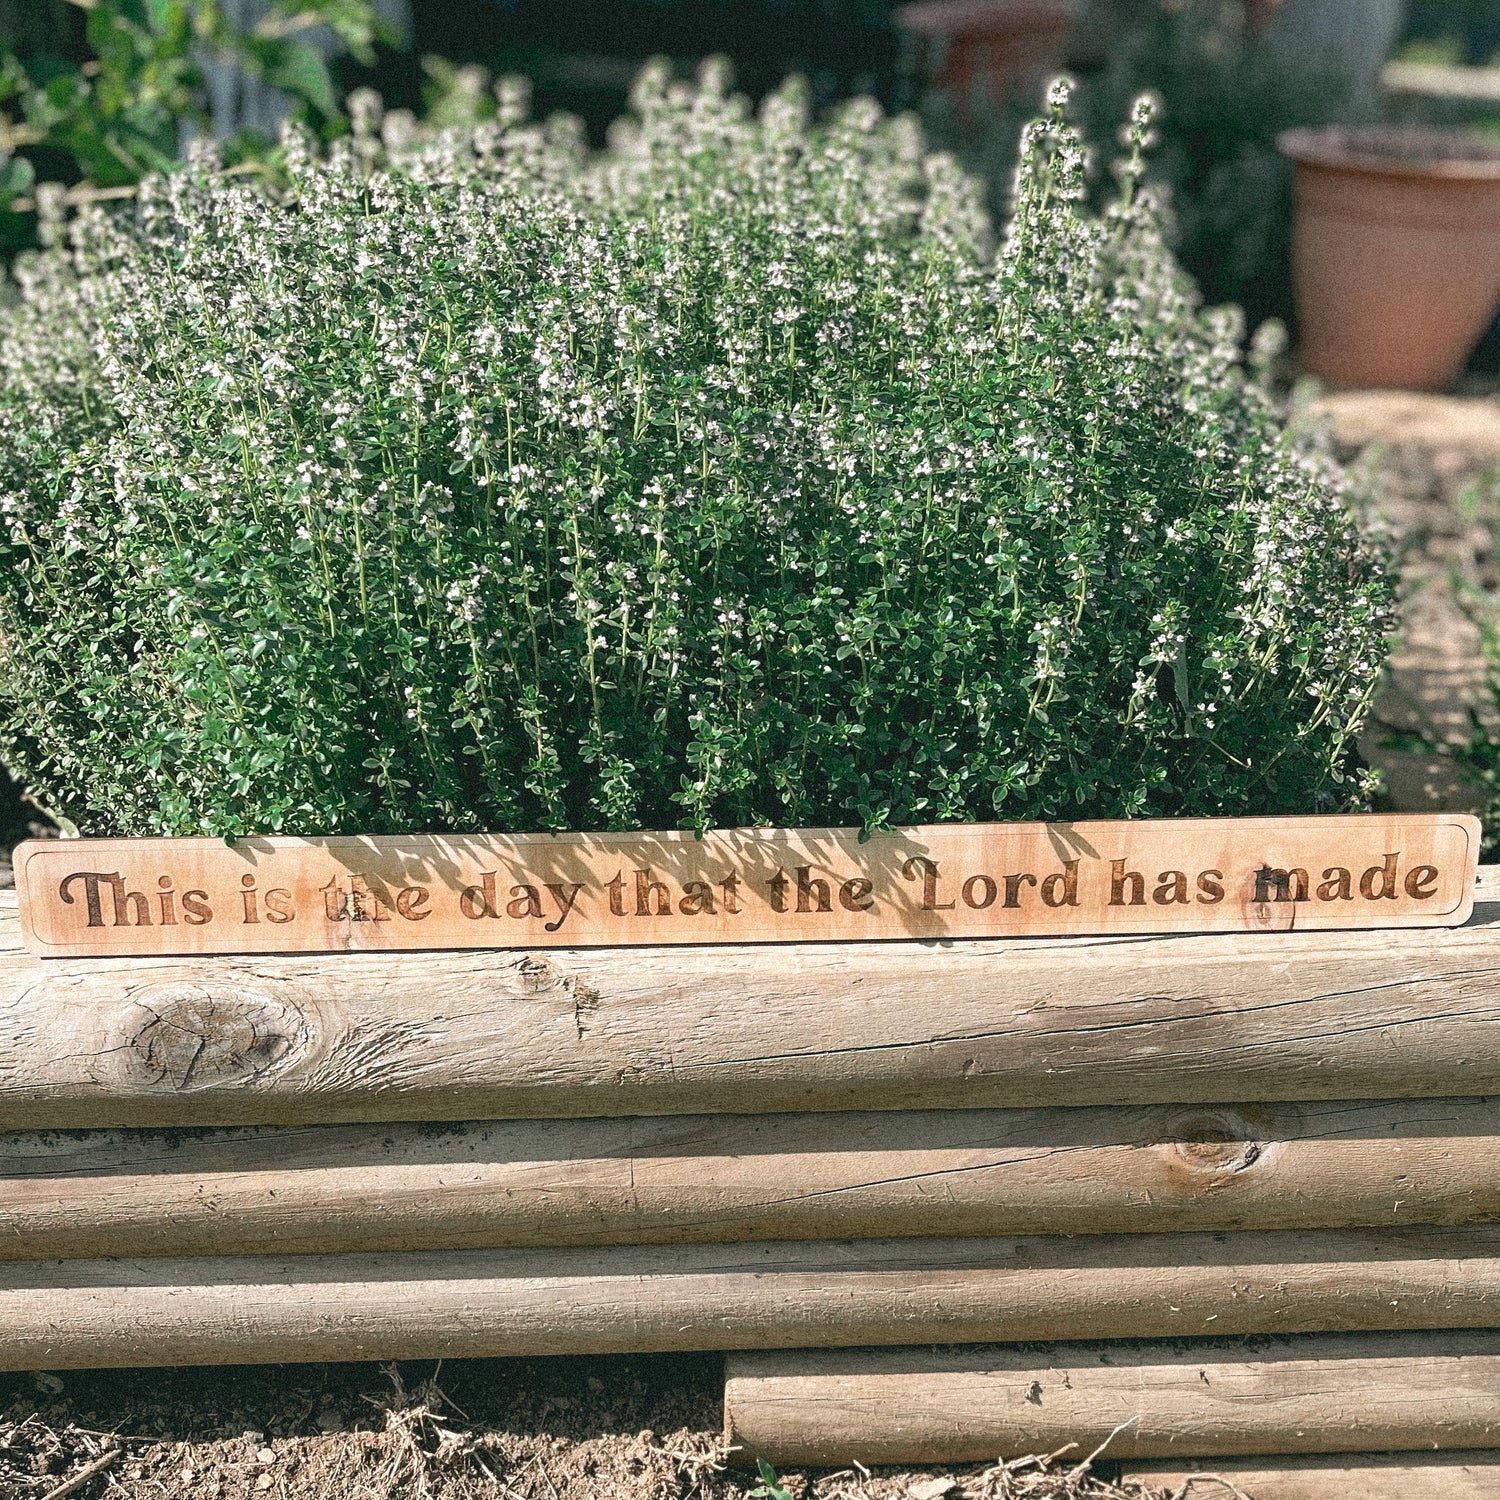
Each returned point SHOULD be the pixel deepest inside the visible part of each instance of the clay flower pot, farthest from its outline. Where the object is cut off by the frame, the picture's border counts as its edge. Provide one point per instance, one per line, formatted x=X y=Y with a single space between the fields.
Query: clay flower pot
x=998 y=49
x=1395 y=252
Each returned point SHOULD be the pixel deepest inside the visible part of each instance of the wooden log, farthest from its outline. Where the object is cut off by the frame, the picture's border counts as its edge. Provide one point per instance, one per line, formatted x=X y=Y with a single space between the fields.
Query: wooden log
x=1309 y=1394
x=702 y=1178
x=250 y=1309
x=972 y=1024
x=1343 y=1476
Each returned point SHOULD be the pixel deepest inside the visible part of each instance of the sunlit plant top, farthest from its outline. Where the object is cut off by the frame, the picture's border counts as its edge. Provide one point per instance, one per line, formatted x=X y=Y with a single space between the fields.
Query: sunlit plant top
x=731 y=476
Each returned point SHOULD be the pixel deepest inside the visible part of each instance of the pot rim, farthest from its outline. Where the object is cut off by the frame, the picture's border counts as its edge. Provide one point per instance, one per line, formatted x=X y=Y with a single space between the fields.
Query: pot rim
x=1394 y=151
x=968 y=17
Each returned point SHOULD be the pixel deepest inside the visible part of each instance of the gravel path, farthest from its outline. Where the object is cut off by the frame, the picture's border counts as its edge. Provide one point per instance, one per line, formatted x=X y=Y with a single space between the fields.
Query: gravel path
x=1434 y=467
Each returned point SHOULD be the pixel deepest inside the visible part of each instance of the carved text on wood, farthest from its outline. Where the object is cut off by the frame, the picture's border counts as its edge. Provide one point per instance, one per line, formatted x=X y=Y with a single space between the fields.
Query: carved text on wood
x=264 y=895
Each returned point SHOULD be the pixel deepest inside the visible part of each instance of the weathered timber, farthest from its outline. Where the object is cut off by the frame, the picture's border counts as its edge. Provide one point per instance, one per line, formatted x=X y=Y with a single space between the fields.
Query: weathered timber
x=1086 y=1170
x=249 y=1309
x=1464 y=1475
x=1308 y=1394
x=743 y=1029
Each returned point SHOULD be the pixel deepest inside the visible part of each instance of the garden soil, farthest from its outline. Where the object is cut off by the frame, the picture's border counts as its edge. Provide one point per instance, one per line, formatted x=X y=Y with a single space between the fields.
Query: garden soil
x=615 y=1428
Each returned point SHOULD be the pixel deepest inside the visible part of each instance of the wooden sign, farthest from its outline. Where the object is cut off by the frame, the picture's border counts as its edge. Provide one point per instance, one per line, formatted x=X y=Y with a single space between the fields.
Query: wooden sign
x=280 y=895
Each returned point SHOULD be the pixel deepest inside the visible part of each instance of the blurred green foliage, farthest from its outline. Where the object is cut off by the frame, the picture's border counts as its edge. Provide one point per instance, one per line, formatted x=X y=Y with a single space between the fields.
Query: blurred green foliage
x=583 y=55
x=1466 y=31
x=1226 y=92
x=124 y=108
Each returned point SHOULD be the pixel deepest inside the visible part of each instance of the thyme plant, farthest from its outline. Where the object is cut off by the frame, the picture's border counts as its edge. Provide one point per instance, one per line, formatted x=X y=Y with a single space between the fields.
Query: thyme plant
x=732 y=476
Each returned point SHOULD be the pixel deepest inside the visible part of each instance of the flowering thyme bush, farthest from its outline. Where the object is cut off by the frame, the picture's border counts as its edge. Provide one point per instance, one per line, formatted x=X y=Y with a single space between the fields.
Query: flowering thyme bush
x=730 y=477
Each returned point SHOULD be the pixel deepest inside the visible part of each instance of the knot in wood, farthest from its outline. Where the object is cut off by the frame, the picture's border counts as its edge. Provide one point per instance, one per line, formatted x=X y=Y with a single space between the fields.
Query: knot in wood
x=1213 y=1142
x=196 y=1037
x=538 y=974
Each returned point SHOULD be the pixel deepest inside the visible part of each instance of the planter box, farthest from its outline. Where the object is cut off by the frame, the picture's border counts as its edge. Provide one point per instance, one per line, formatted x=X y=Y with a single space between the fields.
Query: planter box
x=1069 y=1139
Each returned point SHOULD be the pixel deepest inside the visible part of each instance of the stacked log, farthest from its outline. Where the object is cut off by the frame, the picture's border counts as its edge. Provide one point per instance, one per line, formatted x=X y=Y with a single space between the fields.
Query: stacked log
x=724 y=1178
x=843 y=1155
x=569 y=1034
x=251 y=1309
x=1454 y=1475
x=1313 y=1394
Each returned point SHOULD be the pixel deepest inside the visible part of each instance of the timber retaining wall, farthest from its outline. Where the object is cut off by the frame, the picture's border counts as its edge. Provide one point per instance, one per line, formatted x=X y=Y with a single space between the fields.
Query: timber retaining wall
x=1048 y=1156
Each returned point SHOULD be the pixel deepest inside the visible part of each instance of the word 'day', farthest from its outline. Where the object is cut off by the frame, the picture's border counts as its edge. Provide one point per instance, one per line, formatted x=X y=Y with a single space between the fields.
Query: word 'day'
x=163 y=896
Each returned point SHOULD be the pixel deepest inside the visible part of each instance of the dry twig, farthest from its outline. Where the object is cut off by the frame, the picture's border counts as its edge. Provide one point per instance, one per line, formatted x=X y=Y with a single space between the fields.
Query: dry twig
x=82 y=1477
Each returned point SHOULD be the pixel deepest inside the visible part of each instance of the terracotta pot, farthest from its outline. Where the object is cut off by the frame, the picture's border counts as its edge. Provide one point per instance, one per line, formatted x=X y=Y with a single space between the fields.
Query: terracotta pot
x=991 y=48
x=1395 y=252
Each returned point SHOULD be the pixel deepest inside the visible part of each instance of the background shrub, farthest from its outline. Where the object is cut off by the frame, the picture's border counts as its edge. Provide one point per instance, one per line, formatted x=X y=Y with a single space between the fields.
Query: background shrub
x=729 y=477
x=145 y=85
x=1226 y=87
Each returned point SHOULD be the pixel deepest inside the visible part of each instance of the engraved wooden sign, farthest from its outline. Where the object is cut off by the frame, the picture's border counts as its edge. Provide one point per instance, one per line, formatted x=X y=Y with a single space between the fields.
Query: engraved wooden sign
x=278 y=895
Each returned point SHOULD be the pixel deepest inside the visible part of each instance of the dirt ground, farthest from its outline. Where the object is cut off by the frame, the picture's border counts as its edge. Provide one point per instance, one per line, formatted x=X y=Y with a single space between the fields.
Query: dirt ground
x=644 y=1428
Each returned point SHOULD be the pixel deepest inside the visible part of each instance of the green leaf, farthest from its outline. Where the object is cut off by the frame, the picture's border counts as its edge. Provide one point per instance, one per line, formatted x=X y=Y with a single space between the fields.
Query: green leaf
x=17 y=177
x=296 y=68
x=770 y=1488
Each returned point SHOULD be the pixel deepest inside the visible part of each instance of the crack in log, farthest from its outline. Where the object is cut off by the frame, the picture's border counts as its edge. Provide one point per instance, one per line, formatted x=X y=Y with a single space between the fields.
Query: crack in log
x=1490 y=1010
x=585 y=1003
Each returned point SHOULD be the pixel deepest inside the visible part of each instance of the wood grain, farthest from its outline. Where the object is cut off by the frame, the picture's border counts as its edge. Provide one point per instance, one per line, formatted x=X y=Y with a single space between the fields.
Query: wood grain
x=256 y=1309
x=745 y=1030
x=707 y=1178
x=1464 y=1475
x=1309 y=1394
x=760 y=885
